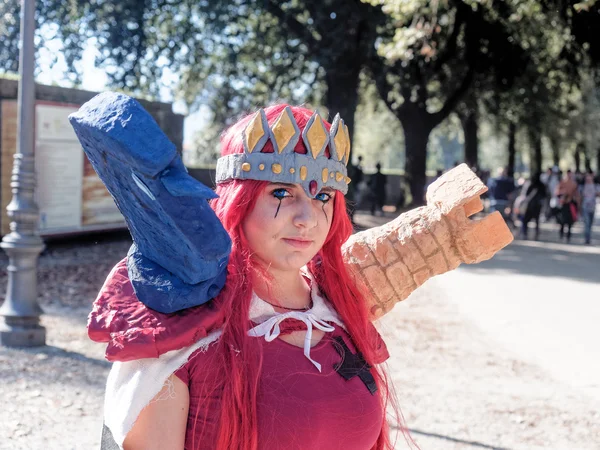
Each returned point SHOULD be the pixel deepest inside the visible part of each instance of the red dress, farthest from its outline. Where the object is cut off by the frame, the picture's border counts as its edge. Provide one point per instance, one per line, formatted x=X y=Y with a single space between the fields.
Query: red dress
x=298 y=407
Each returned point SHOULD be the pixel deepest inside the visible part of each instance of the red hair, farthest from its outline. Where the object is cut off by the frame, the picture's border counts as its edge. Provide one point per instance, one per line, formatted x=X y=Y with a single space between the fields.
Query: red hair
x=238 y=423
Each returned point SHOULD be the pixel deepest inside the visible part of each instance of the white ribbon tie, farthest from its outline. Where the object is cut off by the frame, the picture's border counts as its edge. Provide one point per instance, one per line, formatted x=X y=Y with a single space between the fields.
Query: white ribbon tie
x=270 y=329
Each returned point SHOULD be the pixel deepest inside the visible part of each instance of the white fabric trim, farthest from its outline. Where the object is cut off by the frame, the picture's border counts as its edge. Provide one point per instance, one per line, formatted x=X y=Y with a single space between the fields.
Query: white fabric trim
x=132 y=385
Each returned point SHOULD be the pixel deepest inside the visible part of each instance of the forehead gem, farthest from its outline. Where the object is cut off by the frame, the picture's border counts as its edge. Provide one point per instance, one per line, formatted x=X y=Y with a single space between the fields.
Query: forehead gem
x=261 y=166
x=339 y=176
x=324 y=175
x=246 y=167
x=292 y=170
x=312 y=187
x=276 y=168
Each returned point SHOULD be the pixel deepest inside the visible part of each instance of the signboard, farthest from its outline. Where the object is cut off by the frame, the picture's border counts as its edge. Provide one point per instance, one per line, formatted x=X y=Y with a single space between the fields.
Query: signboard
x=8 y=147
x=69 y=194
x=59 y=167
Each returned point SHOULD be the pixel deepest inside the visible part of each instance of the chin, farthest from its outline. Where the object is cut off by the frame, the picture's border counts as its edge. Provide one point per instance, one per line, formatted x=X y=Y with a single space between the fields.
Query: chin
x=295 y=262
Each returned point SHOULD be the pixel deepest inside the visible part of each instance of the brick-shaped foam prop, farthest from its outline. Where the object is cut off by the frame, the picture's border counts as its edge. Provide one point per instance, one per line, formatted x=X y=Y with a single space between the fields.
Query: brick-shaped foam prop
x=392 y=260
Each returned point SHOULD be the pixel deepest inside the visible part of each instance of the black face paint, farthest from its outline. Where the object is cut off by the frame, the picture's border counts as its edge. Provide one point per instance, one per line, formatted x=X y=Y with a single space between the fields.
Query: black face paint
x=326 y=218
x=278 y=206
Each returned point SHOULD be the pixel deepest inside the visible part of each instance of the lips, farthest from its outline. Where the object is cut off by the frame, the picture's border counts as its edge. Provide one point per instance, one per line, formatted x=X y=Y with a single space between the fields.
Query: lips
x=298 y=243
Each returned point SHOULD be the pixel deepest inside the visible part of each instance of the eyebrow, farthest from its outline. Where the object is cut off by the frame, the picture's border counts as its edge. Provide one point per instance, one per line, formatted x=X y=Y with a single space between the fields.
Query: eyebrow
x=327 y=189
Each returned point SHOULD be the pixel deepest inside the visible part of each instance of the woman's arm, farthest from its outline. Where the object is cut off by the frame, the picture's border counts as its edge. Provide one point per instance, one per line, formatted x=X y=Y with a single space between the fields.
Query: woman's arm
x=161 y=425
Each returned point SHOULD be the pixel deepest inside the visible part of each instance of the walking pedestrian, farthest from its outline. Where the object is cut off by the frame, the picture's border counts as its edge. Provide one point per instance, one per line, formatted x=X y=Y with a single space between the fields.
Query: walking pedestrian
x=589 y=193
x=553 y=207
x=567 y=192
x=377 y=185
x=529 y=204
x=355 y=190
x=501 y=191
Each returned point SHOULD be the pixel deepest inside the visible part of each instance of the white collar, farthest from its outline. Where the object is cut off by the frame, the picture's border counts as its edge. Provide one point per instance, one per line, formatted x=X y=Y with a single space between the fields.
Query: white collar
x=318 y=315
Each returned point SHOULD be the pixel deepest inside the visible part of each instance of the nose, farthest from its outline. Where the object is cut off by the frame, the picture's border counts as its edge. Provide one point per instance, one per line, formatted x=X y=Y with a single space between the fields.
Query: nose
x=305 y=215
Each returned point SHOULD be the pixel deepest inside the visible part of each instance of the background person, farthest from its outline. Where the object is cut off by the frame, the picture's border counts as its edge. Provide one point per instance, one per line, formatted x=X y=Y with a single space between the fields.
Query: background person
x=529 y=204
x=501 y=193
x=377 y=186
x=567 y=193
x=590 y=191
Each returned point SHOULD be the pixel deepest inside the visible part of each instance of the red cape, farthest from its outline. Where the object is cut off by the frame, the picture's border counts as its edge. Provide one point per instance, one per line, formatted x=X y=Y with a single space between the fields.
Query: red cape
x=134 y=331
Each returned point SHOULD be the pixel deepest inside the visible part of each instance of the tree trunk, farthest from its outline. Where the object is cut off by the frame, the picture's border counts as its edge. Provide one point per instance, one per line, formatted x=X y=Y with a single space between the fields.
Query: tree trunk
x=416 y=136
x=342 y=94
x=470 y=128
x=535 y=141
x=342 y=97
x=512 y=149
x=555 y=144
x=588 y=161
x=598 y=160
x=577 y=158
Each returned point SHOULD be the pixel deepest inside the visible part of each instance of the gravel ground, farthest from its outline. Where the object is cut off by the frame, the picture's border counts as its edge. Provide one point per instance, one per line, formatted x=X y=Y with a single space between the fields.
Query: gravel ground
x=457 y=388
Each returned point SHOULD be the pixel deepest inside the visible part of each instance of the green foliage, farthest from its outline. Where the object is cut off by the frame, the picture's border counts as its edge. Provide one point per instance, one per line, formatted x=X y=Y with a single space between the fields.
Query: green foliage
x=207 y=51
x=519 y=61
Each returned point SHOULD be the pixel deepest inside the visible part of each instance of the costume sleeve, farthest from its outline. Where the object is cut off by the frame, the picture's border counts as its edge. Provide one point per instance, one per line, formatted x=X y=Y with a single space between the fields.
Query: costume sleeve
x=183 y=373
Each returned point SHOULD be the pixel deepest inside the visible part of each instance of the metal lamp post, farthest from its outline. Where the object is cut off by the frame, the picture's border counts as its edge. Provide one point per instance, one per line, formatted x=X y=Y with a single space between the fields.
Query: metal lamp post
x=20 y=313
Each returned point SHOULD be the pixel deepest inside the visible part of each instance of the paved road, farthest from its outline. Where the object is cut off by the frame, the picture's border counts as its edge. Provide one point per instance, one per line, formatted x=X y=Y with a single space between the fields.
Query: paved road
x=539 y=300
x=543 y=302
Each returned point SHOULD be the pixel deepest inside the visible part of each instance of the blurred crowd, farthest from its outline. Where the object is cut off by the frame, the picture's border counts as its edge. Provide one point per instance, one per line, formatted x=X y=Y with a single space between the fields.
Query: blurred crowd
x=553 y=196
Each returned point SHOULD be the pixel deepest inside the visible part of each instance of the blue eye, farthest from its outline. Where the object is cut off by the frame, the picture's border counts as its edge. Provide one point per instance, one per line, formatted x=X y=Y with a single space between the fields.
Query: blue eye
x=323 y=197
x=280 y=193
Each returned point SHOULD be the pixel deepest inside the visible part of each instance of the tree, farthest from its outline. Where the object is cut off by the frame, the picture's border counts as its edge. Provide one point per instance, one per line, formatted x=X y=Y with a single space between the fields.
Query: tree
x=231 y=54
x=431 y=56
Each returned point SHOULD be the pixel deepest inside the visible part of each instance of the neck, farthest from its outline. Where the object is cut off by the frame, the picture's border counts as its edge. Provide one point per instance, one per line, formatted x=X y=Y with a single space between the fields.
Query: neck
x=288 y=289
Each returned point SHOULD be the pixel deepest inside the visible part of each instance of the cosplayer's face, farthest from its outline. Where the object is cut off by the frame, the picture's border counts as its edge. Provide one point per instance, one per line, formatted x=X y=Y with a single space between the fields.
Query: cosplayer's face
x=287 y=228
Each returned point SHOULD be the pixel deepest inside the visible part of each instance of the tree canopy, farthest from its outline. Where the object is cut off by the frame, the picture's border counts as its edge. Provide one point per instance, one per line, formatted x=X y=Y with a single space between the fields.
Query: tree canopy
x=519 y=60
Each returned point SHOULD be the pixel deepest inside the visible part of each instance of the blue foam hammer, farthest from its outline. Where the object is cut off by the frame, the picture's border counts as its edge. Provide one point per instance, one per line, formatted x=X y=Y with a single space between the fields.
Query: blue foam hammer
x=180 y=250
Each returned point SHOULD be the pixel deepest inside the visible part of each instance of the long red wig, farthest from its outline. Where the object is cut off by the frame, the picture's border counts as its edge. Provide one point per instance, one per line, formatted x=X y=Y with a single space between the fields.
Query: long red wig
x=238 y=423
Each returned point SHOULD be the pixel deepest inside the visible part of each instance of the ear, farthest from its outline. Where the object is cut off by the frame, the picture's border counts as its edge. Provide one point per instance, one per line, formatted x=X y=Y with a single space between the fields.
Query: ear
x=180 y=184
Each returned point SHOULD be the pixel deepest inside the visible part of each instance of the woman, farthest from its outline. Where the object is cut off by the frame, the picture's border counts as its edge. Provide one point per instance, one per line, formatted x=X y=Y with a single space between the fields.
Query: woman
x=241 y=328
x=529 y=204
x=568 y=196
x=589 y=192
x=294 y=363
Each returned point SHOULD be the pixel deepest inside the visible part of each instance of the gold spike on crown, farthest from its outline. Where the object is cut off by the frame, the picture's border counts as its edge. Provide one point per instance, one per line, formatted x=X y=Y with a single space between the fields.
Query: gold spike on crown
x=313 y=170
